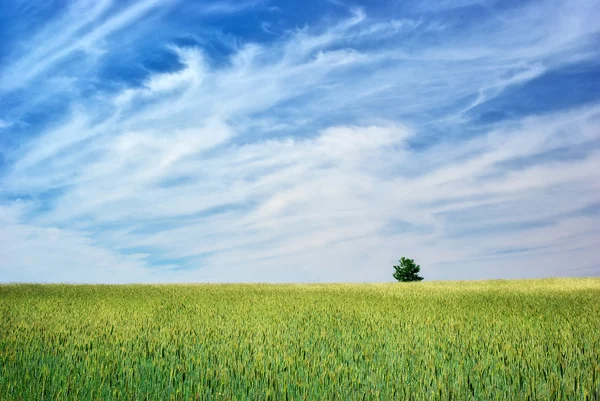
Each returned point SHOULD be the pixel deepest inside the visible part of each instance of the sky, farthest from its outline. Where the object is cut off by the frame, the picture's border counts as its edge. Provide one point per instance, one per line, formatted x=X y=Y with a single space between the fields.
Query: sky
x=298 y=141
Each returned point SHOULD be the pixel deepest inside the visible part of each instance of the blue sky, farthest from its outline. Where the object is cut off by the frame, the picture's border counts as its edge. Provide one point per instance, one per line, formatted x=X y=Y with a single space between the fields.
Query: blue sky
x=298 y=141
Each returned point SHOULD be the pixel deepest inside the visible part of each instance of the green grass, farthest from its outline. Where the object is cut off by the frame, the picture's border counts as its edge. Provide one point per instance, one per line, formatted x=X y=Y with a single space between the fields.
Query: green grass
x=490 y=340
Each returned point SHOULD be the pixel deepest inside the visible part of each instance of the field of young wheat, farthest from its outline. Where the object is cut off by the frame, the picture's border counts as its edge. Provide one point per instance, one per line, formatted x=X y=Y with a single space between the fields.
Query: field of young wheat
x=491 y=340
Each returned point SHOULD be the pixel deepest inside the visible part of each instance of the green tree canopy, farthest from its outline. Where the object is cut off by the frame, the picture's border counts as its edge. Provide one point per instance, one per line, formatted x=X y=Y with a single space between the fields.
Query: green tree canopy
x=407 y=270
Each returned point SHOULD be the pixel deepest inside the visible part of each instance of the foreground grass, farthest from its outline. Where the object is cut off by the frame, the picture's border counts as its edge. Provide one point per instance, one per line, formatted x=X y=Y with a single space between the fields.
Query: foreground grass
x=494 y=340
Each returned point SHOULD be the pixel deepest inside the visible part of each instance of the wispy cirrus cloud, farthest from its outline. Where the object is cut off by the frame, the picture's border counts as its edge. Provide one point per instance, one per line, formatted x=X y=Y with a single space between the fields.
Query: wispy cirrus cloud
x=335 y=146
x=81 y=30
x=4 y=124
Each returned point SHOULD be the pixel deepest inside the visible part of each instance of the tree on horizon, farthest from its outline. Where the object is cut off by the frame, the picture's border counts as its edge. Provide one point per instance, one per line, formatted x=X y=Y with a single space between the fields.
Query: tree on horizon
x=407 y=271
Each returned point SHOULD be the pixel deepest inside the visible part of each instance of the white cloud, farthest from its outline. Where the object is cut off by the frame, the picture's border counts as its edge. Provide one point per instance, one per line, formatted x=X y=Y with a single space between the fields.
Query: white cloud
x=76 y=31
x=4 y=124
x=32 y=253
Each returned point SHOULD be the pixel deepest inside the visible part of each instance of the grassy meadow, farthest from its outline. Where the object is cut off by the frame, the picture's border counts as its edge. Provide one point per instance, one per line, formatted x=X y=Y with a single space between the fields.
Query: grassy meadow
x=486 y=340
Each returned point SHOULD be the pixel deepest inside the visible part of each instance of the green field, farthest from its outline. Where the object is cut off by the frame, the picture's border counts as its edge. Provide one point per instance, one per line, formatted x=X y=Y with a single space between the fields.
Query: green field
x=487 y=340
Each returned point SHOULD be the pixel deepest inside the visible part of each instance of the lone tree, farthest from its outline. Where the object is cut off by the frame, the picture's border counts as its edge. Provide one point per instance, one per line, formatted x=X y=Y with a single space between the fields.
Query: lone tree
x=407 y=271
